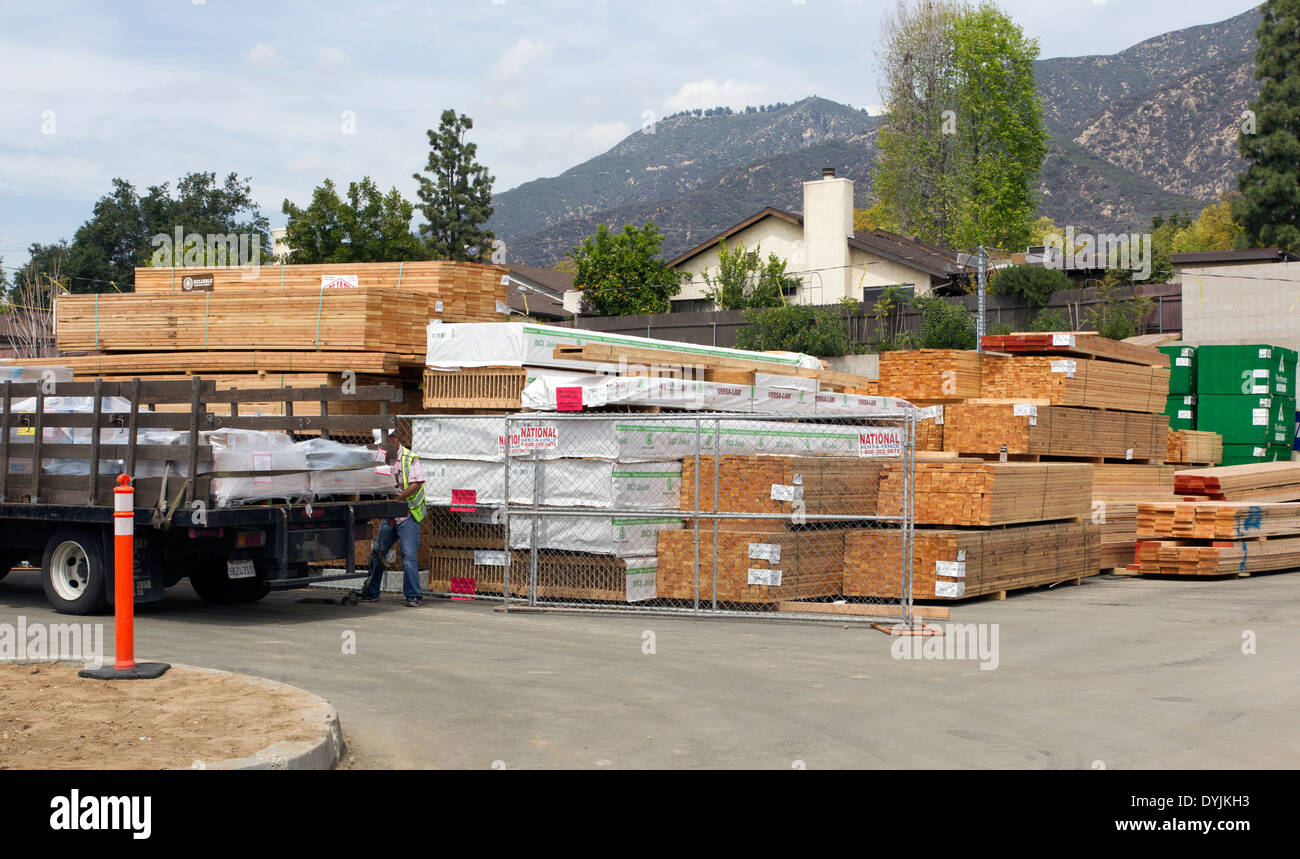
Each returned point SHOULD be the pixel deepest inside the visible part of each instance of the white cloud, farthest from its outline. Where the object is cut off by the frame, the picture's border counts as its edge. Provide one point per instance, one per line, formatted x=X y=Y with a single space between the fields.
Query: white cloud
x=333 y=58
x=264 y=56
x=710 y=93
x=602 y=135
x=516 y=58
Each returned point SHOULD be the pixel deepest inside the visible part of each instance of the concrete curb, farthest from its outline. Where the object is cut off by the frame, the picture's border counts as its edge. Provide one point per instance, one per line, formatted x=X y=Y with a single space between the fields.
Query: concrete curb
x=322 y=753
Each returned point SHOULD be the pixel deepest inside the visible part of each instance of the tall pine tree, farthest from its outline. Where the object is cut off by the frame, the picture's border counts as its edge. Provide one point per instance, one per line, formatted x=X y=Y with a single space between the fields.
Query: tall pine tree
x=1269 y=208
x=455 y=194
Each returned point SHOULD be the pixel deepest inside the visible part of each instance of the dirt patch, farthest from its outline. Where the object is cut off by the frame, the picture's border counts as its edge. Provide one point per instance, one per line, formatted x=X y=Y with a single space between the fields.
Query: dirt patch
x=52 y=719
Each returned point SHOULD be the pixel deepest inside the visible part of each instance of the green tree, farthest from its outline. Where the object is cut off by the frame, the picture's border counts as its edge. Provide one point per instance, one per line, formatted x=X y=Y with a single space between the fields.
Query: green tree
x=745 y=280
x=1213 y=230
x=455 y=194
x=962 y=140
x=622 y=274
x=1269 y=208
x=368 y=226
x=126 y=230
x=1116 y=317
x=1033 y=284
x=819 y=331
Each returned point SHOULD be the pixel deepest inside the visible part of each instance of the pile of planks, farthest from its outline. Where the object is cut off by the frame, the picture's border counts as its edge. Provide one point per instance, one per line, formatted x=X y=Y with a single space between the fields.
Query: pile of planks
x=354 y=320
x=1076 y=382
x=951 y=564
x=1217 y=520
x=1048 y=430
x=1241 y=558
x=1132 y=482
x=1079 y=344
x=931 y=375
x=460 y=291
x=1264 y=481
x=782 y=485
x=752 y=566
x=1194 y=447
x=1118 y=521
x=973 y=492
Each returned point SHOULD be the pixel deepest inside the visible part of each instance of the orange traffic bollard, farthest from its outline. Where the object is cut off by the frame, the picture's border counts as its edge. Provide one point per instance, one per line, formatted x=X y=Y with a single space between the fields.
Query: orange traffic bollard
x=124 y=572
x=124 y=666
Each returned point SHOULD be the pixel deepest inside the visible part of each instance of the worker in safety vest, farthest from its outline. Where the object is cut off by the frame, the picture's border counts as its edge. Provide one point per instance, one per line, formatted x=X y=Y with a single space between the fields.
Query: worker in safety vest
x=403 y=530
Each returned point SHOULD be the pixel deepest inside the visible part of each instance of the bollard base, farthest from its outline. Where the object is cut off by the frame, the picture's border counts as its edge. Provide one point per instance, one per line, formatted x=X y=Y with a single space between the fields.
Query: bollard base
x=141 y=671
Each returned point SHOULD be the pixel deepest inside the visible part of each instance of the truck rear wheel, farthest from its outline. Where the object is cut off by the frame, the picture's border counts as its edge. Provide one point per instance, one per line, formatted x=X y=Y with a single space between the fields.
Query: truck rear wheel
x=212 y=583
x=73 y=573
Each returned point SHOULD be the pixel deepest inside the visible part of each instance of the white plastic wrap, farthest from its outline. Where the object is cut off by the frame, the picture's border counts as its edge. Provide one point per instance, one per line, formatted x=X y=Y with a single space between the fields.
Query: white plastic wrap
x=565 y=483
x=515 y=344
x=250 y=450
x=344 y=469
x=624 y=537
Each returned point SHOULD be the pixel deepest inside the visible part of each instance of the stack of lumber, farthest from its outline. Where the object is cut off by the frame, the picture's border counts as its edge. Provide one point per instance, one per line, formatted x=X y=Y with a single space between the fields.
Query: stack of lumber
x=949 y=564
x=1076 y=382
x=477 y=388
x=782 y=485
x=1265 y=481
x=972 y=492
x=931 y=375
x=1079 y=344
x=929 y=428
x=208 y=363
x=1239 y=558
x=1118 y=521
x=461 y=292
x=1217 y=520
x=1048 y=430
x=370 y=319
x=753 y=566
x=1195 y=447
x=1132 y=482
x=560 y=575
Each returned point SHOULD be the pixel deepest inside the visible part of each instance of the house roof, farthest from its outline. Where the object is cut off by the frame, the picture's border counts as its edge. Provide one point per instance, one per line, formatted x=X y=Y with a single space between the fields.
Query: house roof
x=930 y=259
x=555 y=282
x=769 y=212
x=1241 y=256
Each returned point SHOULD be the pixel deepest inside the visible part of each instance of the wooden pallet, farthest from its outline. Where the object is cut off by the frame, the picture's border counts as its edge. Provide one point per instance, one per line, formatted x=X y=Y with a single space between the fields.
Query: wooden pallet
x=1047 y=430
x=372 y=319
x=933 y=375
x=785 y=485
x=461 y=291
x=1261 y=482
x=478 y=388
x=1080 y=344
x=1078 y=382
x=974 y=493
x=948 y=564
x=1194 y=447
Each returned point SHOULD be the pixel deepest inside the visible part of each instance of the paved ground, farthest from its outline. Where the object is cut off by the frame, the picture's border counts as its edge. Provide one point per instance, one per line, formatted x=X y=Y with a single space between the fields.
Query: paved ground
x=1130 y=672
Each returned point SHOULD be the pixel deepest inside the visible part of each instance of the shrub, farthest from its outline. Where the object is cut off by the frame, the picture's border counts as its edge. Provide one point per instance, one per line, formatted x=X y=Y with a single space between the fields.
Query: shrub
x=795 y=328
x=1031 y=283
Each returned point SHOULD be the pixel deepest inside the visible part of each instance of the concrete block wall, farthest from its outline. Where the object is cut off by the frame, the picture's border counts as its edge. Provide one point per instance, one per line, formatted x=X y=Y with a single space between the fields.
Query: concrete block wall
x=1236 y=305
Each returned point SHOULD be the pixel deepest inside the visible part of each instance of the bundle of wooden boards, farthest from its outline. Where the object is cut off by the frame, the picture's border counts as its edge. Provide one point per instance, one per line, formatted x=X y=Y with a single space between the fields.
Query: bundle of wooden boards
x=782 y=485
x=972 y=492
x=1082 y=344
x=1217 y=538
x=1194 y=447
x=932 y=375
x=1265 y=481
x=1132 y=482
x=1241 y=558
x=753 y=566
x=369 y=319
x=1217 y=520
x=460 y=291
x=953 y=564
x=1047 y=430
x=1118 y=521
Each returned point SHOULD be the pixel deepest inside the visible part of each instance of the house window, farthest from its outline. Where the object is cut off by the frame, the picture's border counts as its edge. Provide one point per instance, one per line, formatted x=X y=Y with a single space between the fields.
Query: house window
x=691 y=305
x=871 y=294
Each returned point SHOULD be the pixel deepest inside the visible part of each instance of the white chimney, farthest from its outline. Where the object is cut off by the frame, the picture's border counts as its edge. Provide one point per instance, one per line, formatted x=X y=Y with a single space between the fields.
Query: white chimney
x=827 y=225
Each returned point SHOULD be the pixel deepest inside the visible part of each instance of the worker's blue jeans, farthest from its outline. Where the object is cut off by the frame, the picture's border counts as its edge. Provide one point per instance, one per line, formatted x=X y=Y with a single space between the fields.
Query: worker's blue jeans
x=407 y=534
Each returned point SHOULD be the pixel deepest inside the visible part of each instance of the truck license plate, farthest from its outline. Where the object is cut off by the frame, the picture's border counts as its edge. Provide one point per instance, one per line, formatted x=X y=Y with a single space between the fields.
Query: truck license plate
x=240 y=569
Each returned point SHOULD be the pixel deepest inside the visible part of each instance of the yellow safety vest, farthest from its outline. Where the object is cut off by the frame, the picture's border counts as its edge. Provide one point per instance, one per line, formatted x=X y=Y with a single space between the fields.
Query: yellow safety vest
x=416 y=501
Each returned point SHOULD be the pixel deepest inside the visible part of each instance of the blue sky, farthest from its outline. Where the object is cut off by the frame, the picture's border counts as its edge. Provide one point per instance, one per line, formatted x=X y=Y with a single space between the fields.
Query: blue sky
x=151 y=90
